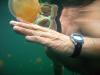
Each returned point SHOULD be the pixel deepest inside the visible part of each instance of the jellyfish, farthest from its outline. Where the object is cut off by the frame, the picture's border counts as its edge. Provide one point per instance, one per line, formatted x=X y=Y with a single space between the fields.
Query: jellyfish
x=26 y=10
x=34 y=12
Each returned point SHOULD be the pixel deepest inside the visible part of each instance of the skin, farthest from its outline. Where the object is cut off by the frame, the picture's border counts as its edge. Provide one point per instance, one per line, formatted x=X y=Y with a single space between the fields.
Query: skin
x=73 y=19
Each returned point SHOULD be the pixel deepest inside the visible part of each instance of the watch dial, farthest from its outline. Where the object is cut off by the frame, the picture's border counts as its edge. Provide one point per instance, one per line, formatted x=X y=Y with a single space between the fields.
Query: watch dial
x=77 y=38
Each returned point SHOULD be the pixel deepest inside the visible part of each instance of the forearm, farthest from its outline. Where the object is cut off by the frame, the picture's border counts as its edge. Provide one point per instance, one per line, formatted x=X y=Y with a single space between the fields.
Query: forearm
x=91 y=47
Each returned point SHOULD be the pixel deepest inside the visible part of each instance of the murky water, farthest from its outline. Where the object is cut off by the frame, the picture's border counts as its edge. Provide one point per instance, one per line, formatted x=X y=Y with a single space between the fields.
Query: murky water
x=17 y=56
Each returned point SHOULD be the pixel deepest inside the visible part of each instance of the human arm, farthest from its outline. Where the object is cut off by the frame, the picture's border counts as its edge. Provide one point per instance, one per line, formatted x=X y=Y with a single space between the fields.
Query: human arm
x=59 y=42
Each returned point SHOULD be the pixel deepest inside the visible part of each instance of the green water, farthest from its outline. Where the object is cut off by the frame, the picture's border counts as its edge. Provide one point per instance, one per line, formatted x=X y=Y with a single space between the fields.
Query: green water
x=17 y=56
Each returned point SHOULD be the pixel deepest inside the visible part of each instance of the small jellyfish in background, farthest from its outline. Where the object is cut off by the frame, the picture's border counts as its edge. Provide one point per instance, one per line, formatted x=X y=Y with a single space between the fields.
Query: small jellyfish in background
x=38 y=60
x=1 y=64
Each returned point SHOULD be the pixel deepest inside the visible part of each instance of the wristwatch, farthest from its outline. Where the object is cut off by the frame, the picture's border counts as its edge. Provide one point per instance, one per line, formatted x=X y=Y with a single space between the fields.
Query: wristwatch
x=78 y=41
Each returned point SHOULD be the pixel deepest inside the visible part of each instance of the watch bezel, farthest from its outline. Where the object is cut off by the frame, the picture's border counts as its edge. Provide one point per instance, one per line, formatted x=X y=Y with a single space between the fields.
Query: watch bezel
x=75 y=41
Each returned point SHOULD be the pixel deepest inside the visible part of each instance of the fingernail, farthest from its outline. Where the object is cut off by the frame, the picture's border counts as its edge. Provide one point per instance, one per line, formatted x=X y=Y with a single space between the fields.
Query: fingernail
x=15 y=28
x=12 y=22
x=28 y=37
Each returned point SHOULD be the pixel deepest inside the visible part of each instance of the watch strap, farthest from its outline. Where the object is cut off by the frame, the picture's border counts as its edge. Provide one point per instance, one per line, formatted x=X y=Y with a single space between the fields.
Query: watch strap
x=77 y=50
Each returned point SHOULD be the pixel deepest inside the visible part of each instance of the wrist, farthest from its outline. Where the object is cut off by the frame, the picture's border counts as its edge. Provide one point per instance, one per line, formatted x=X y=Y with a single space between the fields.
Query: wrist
x=78 y=41
x=69 y=47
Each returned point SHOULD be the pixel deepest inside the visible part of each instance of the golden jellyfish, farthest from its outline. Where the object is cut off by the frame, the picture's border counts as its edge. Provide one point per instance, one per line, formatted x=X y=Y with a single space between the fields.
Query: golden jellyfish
x=27 y=10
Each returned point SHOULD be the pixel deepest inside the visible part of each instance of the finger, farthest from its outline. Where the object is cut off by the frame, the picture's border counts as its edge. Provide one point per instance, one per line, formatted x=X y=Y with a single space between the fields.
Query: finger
x=38 y=39
x=29 y=26
x=42 y=34
x=23 y=30
x=22 y=24
x=32 y=32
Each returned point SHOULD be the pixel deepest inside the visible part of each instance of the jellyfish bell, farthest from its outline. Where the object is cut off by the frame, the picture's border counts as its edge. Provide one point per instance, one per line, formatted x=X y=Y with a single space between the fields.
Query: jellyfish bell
x=27 y=10
x=31 y=11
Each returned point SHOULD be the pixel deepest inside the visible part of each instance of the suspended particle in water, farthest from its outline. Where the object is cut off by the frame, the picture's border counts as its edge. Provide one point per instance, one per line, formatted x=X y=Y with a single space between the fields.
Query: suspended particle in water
x=51 y=65
x=31 y=61
x=38 y=60
x=9 y=55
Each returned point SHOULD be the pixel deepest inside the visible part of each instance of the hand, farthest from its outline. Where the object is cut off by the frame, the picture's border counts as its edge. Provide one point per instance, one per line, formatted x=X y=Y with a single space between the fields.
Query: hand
x=35 y=33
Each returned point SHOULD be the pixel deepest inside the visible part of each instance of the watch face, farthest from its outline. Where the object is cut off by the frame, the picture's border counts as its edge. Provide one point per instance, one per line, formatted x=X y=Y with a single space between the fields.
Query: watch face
x=78 y=38
x=78 y=41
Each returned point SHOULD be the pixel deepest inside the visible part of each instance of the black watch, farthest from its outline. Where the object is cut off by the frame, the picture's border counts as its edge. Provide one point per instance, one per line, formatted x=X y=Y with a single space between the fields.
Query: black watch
x=78 y=41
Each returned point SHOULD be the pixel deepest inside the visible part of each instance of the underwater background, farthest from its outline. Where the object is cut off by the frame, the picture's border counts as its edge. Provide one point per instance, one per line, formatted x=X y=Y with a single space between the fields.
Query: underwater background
x=17 y=56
